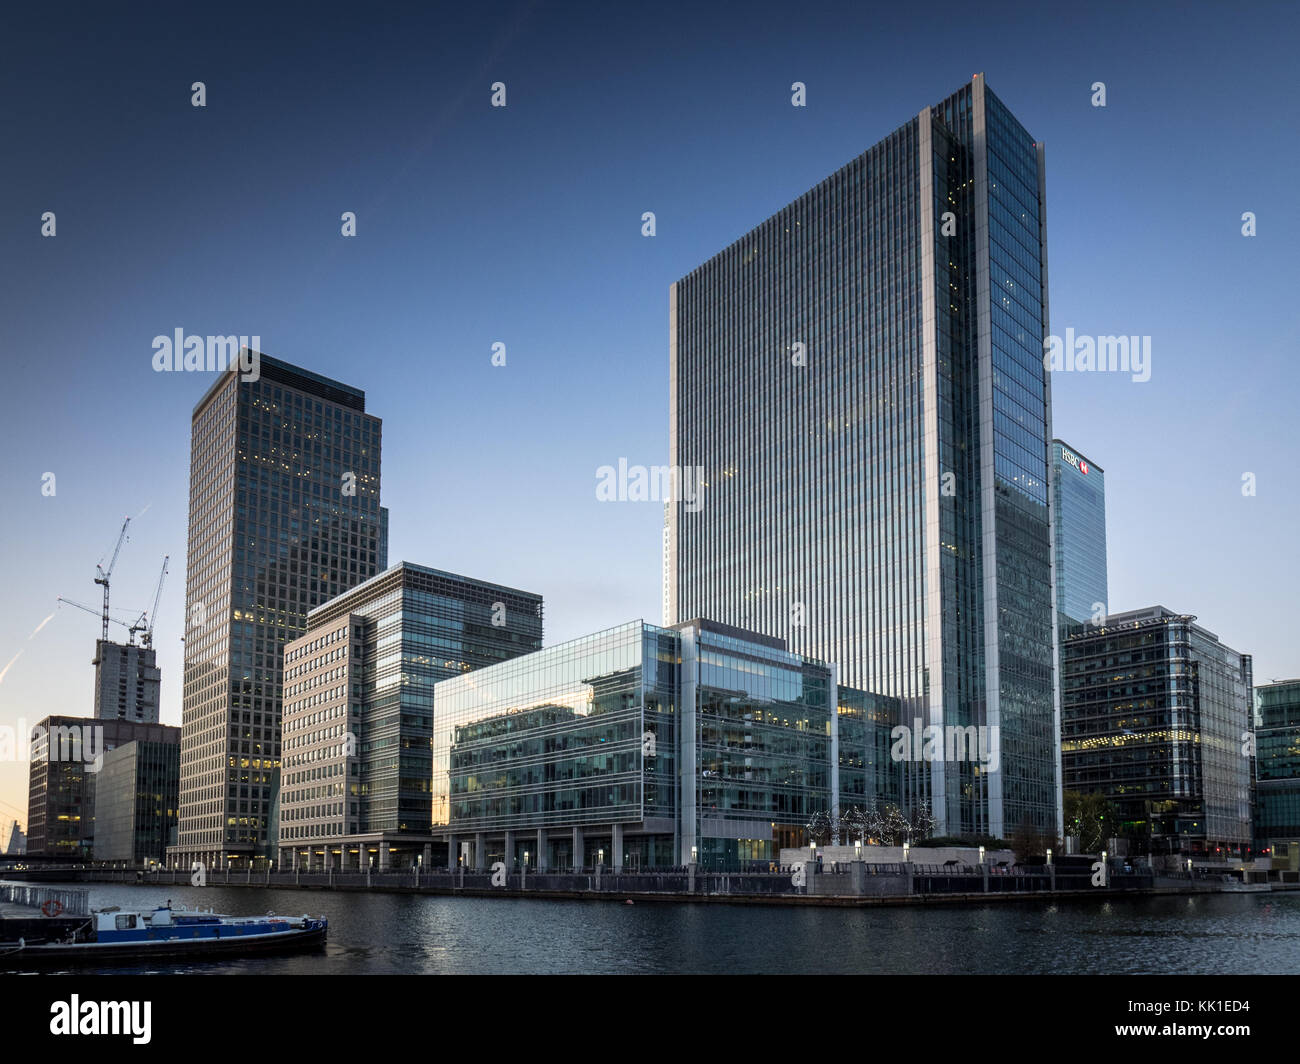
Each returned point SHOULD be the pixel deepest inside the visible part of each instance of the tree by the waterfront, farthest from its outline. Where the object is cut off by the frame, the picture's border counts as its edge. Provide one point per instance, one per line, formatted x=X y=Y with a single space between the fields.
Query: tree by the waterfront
x=820 y=827
x=1090 y=818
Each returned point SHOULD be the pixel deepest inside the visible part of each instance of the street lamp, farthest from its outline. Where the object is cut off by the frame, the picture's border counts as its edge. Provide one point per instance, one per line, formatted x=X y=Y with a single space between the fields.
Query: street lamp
x=857 y=849
x=600 y=856
x=1049 y=855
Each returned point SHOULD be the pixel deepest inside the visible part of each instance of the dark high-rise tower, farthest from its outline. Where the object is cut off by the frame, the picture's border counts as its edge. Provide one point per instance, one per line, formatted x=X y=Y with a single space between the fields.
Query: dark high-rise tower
x=861 y=380
x=284 y=515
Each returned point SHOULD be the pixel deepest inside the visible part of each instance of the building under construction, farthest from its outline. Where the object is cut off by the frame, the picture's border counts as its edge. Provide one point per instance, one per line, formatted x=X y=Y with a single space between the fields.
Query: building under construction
x=126 y=682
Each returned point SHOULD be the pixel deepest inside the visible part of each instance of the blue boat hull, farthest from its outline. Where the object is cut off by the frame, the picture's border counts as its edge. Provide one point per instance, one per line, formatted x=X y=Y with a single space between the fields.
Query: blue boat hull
x=143 y=952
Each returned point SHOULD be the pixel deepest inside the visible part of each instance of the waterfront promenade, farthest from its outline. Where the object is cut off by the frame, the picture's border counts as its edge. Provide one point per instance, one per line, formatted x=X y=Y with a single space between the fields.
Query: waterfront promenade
x=858 y=884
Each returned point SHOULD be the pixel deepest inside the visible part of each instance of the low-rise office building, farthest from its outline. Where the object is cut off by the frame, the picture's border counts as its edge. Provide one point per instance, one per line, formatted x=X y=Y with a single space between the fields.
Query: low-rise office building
x=359 y=709
x=643 y=746
x=1277 y=772
x=67 y=754
x=137 y=798
x=1157 y=716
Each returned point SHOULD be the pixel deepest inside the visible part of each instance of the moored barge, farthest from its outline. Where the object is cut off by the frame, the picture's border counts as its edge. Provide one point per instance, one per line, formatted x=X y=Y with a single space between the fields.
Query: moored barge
x=116 y=936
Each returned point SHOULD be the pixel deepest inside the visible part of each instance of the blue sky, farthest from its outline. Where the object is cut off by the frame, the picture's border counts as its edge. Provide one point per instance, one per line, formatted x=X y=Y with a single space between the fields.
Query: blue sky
x=523 y=225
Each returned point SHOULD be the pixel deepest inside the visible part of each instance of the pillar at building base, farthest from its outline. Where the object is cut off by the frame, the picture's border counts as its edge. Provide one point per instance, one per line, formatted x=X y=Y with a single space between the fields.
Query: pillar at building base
x=616 y=845
x=579 y=859
x=543 y=862
x=451 y=853
x=384 y=856
x=509 y=856
x=480 y=851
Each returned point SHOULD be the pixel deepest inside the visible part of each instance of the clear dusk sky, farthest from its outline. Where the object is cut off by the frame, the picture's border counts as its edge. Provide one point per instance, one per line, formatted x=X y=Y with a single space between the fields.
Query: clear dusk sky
x=523 y=225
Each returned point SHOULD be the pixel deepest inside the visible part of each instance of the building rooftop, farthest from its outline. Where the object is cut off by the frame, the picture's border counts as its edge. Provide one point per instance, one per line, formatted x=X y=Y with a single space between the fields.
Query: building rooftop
x=304 y=380
x=341 y=604
x=1078 y=453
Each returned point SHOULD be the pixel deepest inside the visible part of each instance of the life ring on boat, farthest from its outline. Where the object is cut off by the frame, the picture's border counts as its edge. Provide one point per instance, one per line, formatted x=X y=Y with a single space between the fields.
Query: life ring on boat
x=52 y=907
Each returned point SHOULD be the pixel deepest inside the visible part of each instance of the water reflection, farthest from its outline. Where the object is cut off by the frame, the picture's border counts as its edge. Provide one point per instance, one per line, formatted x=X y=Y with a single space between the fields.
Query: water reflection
x=392 y=934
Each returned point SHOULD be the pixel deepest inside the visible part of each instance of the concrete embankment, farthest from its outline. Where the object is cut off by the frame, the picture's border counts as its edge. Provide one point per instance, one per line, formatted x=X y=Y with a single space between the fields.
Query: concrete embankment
x=711 y=888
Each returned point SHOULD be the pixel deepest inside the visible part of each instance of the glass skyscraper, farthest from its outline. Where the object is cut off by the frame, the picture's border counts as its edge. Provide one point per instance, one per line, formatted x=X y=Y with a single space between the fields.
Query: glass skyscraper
x=284 y=515
x=1079 y=535
x=861 y=381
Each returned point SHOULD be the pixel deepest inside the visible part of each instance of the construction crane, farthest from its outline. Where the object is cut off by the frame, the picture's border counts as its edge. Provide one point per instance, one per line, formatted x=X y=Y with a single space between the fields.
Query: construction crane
x=128 y=625
x=104 y=574
x=147 y=638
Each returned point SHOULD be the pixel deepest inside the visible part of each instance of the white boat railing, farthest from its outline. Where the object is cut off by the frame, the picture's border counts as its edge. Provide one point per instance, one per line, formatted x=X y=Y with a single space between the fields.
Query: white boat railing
x=63 y=901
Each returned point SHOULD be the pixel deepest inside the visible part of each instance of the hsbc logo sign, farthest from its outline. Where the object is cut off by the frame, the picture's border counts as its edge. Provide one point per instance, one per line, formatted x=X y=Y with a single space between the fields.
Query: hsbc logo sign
x=1074 y=460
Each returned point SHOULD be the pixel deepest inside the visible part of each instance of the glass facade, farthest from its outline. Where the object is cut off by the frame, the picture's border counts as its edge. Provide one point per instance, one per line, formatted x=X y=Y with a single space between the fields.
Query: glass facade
x=359 y=704
x=1017 y=541
x=861 y=380
x=284 y=515
x=1079 y=528
x=136 y=797
x=1156 y=716
x=656 y=745
x=867 y=771
x=765 y=746
x=1277 y=764
x=555 y=738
